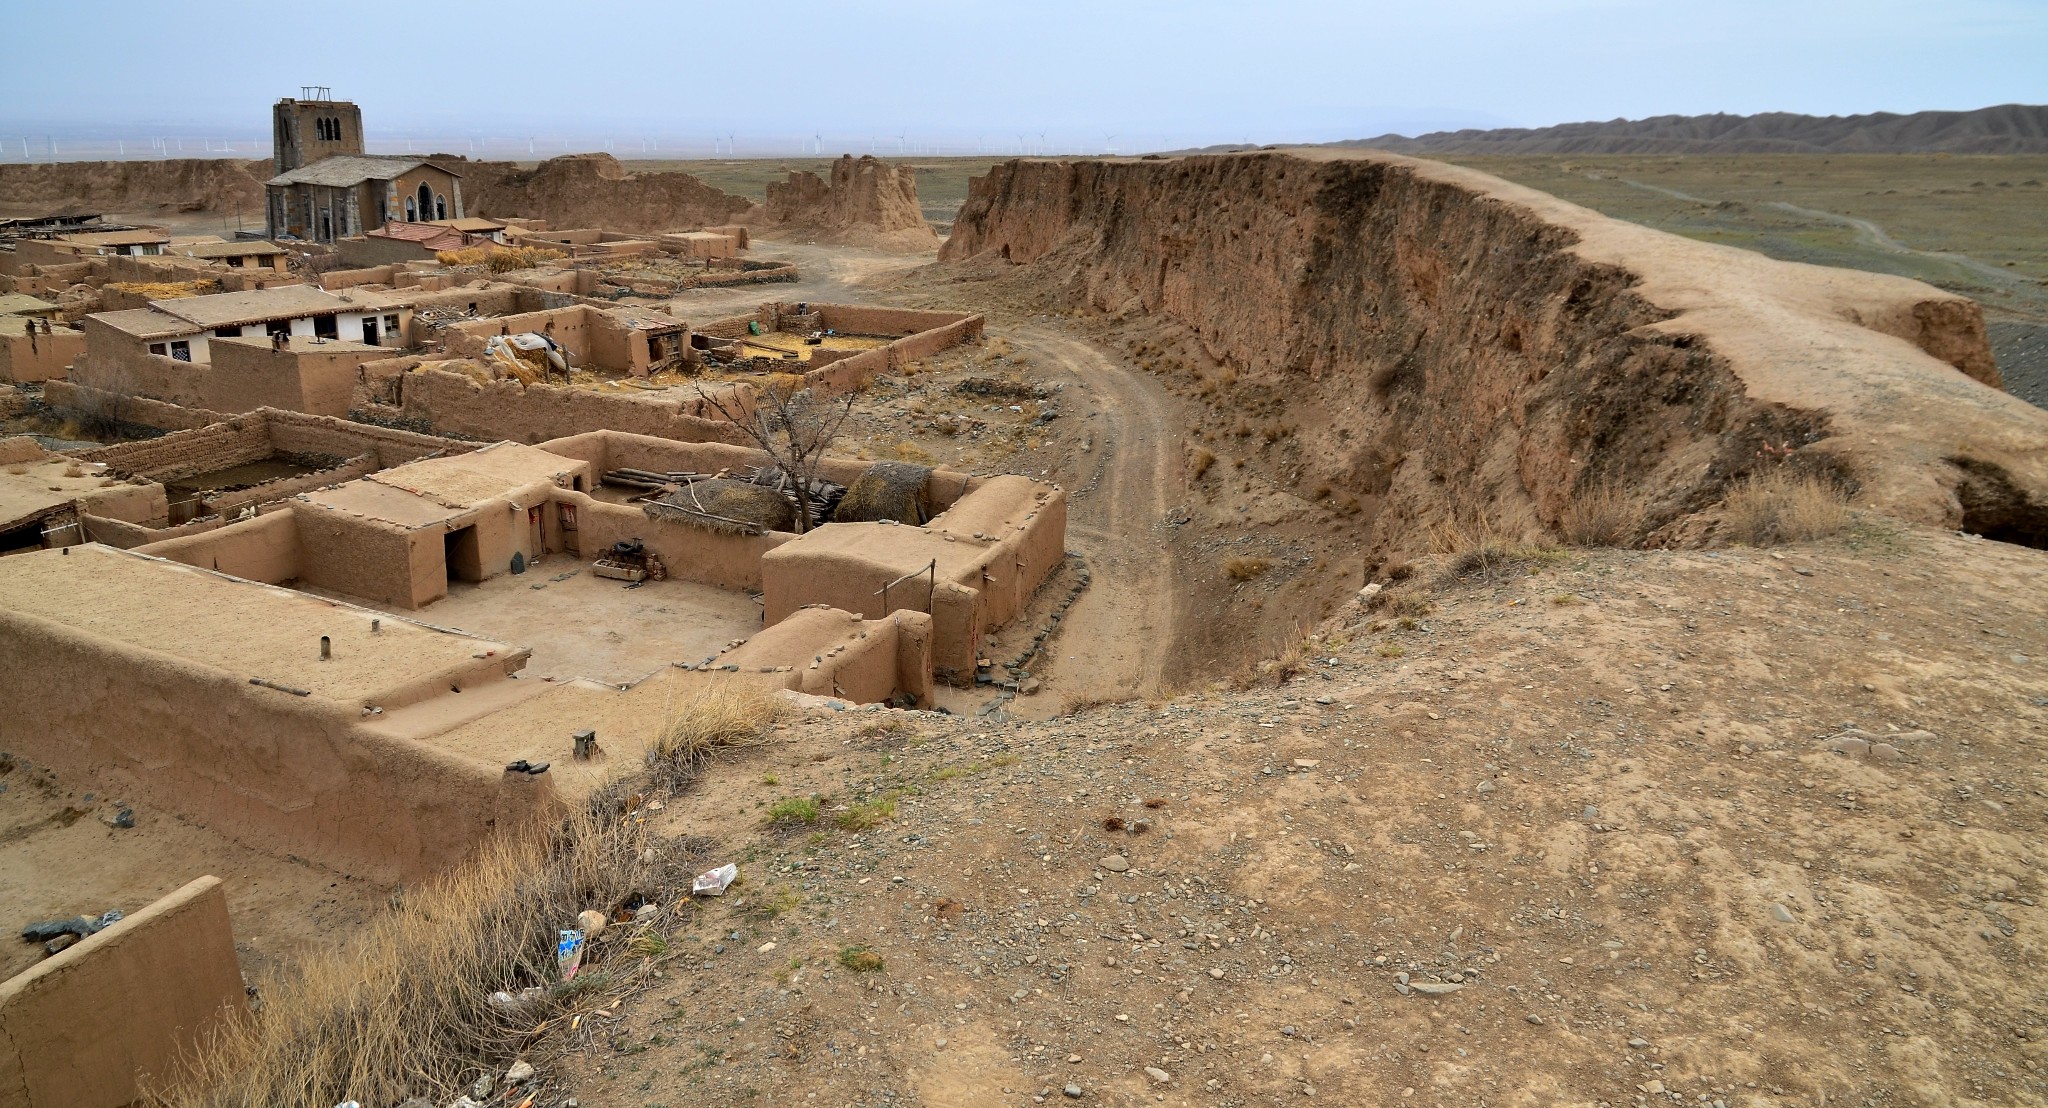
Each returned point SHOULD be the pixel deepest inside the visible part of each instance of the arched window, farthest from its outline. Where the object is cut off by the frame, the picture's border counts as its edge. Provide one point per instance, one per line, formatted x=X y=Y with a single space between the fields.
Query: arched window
x=440 y=206
x=411 y=214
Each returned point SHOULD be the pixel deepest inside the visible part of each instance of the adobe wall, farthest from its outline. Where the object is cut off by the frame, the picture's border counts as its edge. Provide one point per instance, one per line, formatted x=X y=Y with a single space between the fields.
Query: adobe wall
x=337 y=279
x=90 y=1026
x=863 y=319
x=280 y=773
x=1031 y=539
x=207 y=449
x=298 y=433
x=608 y=450
x=924 y=344
x=457 y=404
x=123 y=535
x=983 y=582
x=34 y=356
x=367 y=251
x=245 y=376
x=687 y=552
x=830 y=652
x=265 y=549
x=365 y=559
x=135 y=411
x=228 y=503
x=573 y=327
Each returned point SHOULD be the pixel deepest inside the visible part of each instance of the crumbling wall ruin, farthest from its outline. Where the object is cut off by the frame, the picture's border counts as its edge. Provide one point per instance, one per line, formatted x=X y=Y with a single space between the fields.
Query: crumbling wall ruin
x=864 y=202
x=1448 y=346
x=594 y=190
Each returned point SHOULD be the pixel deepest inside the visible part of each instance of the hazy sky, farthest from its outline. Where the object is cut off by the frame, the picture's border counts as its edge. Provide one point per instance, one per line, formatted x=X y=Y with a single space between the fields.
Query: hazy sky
x=1142 y=73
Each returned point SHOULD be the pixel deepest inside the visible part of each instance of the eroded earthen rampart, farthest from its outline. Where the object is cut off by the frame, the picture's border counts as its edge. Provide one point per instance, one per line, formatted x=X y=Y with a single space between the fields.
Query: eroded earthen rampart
x=1449 y=345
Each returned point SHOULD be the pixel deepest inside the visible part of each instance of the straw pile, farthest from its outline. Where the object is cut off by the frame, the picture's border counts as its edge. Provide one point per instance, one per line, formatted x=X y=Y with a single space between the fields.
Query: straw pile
x=888 y=490
x=726 y=506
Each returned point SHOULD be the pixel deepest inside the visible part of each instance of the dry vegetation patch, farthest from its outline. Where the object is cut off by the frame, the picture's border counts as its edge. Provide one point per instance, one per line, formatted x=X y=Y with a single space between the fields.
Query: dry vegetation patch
x=405 y=1007
x=1782 y=506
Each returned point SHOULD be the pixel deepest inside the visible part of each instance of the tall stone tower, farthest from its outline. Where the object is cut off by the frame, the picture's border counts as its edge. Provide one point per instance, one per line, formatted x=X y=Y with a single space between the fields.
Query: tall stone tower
x=313 y=127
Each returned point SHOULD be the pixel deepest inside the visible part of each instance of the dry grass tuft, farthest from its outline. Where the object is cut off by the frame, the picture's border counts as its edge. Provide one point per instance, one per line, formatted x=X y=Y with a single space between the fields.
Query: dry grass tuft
x=724 y=713
x=907 y=451
x=1602 y=515
x=402 y=1009
x=1243 y=568
x=1199 y=462
x=1485 y=556
x=1782 y=506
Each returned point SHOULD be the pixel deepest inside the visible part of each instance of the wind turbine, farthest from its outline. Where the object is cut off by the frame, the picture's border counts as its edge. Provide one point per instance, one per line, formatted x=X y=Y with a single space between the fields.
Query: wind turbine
x=1109 y=143
x=820 y=140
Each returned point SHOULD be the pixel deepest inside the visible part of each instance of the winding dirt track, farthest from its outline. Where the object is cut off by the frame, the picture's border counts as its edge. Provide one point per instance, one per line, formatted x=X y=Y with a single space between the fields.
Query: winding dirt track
x=1130 y=614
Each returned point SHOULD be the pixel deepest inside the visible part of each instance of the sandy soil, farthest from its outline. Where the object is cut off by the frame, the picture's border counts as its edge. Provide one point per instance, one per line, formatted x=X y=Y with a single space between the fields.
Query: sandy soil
x=59 y=858
x=1577 y=836
x=588 y=626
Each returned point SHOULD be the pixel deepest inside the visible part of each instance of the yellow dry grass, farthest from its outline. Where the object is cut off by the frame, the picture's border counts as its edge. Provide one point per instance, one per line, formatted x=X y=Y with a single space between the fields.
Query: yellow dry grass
x=1782 y=506
x=403 y=1009
x=1602 y=515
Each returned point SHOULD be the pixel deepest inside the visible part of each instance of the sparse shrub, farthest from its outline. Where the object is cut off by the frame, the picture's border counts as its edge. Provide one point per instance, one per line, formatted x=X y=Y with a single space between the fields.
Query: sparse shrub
x=1244 y=568
x=794 y=811
x=1199 y=462
x=1389 y=650
x=1599 y=516
x=1782 y=506
x=860 y=959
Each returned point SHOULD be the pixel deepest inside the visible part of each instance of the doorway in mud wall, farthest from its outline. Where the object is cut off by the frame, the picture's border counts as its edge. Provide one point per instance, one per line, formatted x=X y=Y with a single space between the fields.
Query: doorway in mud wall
x=464 y=555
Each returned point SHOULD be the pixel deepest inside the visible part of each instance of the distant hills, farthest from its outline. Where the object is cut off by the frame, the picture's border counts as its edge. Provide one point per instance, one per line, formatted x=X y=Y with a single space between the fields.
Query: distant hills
x=2005 y=129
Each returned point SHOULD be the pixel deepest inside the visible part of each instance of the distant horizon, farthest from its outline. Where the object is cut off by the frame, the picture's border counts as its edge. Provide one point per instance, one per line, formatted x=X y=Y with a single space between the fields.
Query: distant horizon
x=904 y=78
x=109 y=143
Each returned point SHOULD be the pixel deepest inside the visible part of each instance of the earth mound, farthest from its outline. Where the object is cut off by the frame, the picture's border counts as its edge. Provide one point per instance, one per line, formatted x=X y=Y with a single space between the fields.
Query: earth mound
x=867 y=202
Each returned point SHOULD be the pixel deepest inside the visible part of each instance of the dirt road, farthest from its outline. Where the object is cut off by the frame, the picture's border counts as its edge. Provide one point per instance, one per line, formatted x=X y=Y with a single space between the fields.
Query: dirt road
x=1116 y=520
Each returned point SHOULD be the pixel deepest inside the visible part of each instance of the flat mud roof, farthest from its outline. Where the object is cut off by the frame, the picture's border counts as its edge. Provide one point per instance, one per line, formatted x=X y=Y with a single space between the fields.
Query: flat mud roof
x=237 y=627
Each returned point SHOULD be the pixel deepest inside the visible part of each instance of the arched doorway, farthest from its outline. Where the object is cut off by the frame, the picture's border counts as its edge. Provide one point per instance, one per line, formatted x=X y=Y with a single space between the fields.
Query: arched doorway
x=426 y=201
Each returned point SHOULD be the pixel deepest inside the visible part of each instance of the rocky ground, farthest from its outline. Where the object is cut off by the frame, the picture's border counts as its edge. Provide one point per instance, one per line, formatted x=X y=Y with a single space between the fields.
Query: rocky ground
x=1721 y=828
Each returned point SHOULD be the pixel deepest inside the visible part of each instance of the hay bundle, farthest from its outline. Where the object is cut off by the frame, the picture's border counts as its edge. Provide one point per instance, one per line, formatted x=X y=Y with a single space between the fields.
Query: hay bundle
x=888 y=490
x=726 y=506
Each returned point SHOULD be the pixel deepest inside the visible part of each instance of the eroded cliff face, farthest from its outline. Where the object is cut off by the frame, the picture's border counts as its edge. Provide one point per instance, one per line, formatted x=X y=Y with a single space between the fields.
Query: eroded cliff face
x=867 y=202
x=1447 y=347
x=594 y=190
x=139 y=187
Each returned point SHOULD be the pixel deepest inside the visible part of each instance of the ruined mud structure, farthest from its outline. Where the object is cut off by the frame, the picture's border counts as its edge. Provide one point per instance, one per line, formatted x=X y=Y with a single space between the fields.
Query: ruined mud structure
x=1448 y=346
x=863 y=203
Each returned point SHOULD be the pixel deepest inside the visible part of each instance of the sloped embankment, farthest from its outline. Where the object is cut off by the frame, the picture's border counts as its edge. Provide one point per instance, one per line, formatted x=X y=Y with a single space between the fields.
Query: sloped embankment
x=138 y=187
x=1454 y=347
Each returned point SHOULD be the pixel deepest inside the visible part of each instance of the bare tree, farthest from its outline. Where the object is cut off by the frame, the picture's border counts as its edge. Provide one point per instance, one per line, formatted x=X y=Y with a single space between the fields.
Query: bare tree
x=795 y=426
